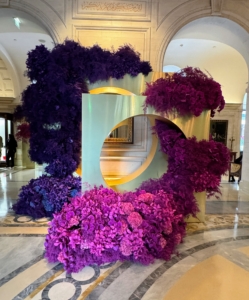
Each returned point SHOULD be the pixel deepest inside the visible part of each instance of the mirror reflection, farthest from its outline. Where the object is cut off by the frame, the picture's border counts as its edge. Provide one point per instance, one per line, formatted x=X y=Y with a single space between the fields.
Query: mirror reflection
x=122 y=132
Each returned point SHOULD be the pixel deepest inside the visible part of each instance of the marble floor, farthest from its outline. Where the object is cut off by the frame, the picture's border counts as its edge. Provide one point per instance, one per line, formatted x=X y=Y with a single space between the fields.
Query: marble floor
x=211 y=263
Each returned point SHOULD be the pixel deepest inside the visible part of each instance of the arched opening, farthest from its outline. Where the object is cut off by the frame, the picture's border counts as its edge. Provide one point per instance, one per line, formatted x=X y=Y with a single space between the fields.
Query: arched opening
x=217 y=46
x=16 y=40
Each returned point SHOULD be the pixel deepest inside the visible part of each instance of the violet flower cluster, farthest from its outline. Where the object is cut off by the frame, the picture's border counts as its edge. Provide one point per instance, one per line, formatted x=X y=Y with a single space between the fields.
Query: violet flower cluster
x=197 y=165
x=45 y=195
x=188 y=92
x=102 y=226
x=51 y=104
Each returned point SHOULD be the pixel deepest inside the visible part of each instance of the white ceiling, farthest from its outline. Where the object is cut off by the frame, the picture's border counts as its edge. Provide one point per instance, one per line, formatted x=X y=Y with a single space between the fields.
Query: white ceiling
x=16 y=42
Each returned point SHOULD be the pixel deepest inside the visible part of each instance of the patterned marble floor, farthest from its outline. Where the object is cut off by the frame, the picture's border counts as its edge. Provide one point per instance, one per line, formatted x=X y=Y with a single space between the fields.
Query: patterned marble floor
x=213 y=260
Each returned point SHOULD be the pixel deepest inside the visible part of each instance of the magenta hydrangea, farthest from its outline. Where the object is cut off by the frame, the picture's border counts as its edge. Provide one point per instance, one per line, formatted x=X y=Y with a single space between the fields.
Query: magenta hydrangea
x=135 y=219
x=96 y=228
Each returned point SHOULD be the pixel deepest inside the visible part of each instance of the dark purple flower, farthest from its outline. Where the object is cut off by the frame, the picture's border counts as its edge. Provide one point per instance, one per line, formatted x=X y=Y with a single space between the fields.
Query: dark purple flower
x=188 y=92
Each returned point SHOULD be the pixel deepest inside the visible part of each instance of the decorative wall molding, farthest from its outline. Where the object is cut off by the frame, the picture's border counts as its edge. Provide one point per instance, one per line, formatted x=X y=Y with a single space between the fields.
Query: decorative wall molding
x=4 y=3
x=119 y=10
x=112 y=6
x=233 y=106
x=6 y=83
x=216 y=7
x=110 y=36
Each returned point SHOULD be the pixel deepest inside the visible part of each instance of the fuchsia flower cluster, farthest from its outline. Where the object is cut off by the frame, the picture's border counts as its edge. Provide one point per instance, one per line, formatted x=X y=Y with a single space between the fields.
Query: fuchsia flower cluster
x=23 y=132
x=103 y=226
x=200 y=162
x=188 y=92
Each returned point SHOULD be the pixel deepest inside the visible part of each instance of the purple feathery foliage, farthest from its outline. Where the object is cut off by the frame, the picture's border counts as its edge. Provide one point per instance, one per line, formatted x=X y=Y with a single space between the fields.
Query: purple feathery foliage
x=186 y=167
x=18 y=114
x=188 y=92
x=204 y=84
x=52 y=106
x=103 y=226
x=55 y=128
x=145 y=67
x=125 y=61
x=99 y=64
x=68 y=62
x=37 y=63
x=46 y=195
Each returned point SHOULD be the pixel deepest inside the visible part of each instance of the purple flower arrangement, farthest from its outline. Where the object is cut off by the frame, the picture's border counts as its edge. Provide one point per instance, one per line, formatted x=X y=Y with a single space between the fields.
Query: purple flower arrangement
x=46 y=195
x=51 y=107
x=102 y=226
x=186 y=167
x=188 y=92
x=58 y=78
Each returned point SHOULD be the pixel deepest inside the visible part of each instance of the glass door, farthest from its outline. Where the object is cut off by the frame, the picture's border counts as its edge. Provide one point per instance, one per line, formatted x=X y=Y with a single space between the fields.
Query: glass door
x=6 y=127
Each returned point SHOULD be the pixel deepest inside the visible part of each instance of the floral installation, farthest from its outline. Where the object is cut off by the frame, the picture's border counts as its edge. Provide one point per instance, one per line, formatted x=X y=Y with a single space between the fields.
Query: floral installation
x=103 y=226
x=187 y=92
x=58 y=79
x=46 y=195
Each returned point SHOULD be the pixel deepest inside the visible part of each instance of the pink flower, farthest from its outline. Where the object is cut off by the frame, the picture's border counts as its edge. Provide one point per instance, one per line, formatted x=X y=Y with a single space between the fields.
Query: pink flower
x=127 y=207
x=123 y=227
x=125 y=247
x=162 y=242
x=168 y=229
x=61 y=257
x=178 y=238
x=147 y=198
x=73 y=222
x=134 y=219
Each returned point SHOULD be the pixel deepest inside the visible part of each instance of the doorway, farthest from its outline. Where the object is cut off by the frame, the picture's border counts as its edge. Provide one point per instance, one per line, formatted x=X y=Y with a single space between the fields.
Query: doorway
x=6 y=127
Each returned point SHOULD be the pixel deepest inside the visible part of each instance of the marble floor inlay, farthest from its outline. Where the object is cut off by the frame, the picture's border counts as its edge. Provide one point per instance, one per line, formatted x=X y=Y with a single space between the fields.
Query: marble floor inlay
x=214 y=254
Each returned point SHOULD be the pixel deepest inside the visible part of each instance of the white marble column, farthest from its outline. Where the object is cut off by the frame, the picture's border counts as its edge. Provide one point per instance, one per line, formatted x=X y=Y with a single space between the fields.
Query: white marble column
x=244 y=184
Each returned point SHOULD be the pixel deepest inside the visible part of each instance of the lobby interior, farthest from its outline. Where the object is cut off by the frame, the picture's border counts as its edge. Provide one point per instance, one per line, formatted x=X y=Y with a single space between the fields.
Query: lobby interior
x=213 y=260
